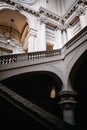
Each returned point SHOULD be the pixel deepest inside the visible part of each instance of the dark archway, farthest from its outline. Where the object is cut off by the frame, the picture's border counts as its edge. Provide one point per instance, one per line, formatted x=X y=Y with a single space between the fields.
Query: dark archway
x=36 y=87
x=78 y=80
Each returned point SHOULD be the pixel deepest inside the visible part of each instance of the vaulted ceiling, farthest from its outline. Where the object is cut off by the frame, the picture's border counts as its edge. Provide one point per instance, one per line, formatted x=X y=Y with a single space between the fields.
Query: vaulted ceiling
x=13 y=23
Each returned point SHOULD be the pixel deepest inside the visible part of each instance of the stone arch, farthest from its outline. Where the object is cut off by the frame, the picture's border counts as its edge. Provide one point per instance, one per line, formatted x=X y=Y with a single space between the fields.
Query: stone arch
x=36 y=86
x=72 y=64
x=20 y=25
x=78 y=81
x=82 y=59
x=42 y=68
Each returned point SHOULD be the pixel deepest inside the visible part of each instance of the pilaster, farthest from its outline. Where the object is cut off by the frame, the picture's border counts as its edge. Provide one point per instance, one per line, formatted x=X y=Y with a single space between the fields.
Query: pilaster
x=64 y=36
x=82 y=16
x=43 y=32
x=58 y=39
x=69 y=32
x=31 y=40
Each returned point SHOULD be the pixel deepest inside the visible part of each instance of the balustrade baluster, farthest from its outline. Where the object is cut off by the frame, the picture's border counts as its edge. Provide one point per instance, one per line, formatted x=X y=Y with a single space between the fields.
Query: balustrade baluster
x=8 y=59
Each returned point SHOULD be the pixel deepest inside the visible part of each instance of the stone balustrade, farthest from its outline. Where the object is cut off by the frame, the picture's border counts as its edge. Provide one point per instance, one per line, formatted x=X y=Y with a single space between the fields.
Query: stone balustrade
x=80 y=38
x=8 y=59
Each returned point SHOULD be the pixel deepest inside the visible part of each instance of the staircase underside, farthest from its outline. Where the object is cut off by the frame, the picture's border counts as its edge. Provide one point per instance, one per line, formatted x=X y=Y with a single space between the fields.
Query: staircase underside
x=18 y=112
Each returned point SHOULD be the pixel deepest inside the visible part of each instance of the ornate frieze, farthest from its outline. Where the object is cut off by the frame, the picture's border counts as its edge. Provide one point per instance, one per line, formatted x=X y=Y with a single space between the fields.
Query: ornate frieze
x=52 y=18
x=20 y=7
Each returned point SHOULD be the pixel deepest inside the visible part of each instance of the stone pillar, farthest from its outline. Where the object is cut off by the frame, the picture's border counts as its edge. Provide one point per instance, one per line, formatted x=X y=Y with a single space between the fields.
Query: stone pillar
x=69 y=33
x=67 y=104
x=82 y=20
x=82 y=16
x=43 y=35
x=31 y=41
x=64 y=36
x=58 y=39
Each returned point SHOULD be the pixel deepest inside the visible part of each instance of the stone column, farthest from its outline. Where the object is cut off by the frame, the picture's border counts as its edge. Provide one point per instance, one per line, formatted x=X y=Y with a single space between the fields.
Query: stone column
x=58 y=39
x=67 y=104
x=69 y=33
x=82 y=20
x=64 y=36
x=43 y=35
x=82 y=16
x=31 y=41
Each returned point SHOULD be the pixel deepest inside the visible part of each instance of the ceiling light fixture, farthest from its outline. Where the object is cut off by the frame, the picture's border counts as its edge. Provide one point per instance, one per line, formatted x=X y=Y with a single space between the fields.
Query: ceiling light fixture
x=10 y=32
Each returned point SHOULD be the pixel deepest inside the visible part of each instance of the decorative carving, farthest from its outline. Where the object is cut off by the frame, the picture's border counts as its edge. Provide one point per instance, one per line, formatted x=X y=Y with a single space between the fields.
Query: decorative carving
x=43 y=18
x=18 y=7
x=67 y=100
x=81 y=9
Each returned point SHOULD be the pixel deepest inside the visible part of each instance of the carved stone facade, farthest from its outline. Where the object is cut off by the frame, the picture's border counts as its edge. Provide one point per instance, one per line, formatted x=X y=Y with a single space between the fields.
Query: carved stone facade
x=37 y=14
x=51 y=38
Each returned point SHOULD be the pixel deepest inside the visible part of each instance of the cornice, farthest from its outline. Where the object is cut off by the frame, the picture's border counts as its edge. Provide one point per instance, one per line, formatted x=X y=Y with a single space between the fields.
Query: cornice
x=43 y=14
x=44 y=18
x=70 y=11
x=50 y=16
x=79 y=4
x=77 y=9
x=19 y=7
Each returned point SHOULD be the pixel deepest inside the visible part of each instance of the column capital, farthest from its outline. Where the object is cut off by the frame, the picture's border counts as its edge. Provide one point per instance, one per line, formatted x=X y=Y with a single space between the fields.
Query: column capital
x=32 y=32
x=43 y=18
x=67 y=101
x=68 y=26
x=57 y=28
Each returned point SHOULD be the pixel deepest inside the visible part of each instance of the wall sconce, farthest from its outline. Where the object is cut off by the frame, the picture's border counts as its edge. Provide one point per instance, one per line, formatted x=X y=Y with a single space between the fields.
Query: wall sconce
x=53 y=92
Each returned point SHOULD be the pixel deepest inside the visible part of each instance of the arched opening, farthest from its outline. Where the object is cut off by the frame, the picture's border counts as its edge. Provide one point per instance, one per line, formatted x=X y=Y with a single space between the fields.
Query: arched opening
x=13 y=31
x=36 y=87
x=79 y=82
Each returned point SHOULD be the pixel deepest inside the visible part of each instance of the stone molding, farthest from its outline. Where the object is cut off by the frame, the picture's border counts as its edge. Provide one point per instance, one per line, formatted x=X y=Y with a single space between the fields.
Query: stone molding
x=68 y=100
